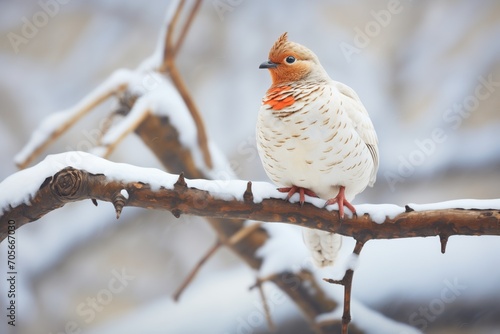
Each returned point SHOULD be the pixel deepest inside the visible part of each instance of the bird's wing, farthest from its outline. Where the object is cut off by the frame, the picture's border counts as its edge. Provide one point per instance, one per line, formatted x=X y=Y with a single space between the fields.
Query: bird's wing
x=361 y=121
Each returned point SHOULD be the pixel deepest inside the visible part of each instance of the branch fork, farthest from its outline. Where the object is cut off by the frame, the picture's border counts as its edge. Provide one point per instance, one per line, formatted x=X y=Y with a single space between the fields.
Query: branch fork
x=226 y=216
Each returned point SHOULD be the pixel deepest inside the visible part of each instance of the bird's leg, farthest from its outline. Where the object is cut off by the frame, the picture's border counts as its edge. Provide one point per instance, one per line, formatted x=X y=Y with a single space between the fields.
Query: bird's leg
x=290 y=190
x=340 y=199
x=302 y=191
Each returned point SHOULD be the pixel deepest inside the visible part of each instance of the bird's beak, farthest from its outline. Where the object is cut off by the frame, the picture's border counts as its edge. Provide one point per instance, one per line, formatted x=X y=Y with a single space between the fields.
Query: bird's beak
x=268 y=64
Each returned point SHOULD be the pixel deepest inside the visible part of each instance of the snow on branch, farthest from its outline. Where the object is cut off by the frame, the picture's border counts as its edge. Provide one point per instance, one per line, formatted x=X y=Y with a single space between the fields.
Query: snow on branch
x=155 y=104
x=57 y=123
x=85 y=176
x=75 y=176
x=158 y=107
x=155 y=88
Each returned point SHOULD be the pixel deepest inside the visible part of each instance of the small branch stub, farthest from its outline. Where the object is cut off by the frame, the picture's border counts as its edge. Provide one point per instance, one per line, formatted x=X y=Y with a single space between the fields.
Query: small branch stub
x=176 y=213
x=181 y=181
x=335 y=281
x=247 y=195
x=67 y=182
x=119 y=202
x=444 y=241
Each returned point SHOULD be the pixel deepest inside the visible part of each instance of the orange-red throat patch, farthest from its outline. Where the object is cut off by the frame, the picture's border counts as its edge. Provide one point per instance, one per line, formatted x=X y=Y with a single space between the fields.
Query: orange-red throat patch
x=279 y=97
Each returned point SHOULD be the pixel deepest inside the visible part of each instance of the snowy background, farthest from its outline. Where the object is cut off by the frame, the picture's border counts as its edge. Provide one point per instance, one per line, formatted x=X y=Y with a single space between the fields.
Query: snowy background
x=429 y=75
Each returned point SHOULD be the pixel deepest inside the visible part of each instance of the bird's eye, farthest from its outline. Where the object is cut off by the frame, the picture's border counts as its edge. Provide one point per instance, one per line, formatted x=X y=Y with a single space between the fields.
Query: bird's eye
x=290 y=59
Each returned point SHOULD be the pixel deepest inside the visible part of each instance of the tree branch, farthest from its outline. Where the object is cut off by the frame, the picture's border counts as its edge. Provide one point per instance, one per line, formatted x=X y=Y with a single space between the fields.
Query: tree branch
x=346 y=281
x=168 y=48
x=226 y=215
x=71 y=184
x=180 y=197
x=186 y=26
x=81 y=109
x=169 y=66
x=211 y=251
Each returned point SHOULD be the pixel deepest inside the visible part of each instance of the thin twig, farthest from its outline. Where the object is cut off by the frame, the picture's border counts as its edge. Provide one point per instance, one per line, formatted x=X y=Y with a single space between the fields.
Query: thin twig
x=168 y=48
x=69 y=123
x=267 y=311
x=260 y=280
x=243 y=232
x=200 y=126
x=196 y=269
x=346 y=281
x=235 y=238
x=186 y=26
x=169 y=66
x=106 y=125
x=137 y=122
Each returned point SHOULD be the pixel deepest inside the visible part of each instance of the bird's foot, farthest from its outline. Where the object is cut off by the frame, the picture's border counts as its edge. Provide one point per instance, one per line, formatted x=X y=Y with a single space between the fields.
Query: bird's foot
x=294 y=189
x=340 y=199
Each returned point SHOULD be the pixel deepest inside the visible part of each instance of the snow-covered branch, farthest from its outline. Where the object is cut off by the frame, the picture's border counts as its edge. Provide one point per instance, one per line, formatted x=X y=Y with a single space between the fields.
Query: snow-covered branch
x=154 y=88
x=123 y=185
x=156 y=105
x=89 y=177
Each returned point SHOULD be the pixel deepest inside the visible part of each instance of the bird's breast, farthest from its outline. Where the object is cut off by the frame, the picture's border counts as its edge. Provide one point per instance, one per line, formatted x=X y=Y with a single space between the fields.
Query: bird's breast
x=312 y=143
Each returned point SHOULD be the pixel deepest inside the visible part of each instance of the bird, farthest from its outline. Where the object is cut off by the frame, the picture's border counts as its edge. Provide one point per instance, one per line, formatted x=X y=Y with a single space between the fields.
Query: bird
x=314 y=137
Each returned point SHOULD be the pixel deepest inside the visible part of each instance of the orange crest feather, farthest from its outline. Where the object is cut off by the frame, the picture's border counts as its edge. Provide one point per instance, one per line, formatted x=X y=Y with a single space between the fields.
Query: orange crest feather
x=278 y=46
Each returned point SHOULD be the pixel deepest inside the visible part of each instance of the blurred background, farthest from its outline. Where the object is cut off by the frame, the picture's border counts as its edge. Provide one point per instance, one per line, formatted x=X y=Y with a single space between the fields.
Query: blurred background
x=428 y=72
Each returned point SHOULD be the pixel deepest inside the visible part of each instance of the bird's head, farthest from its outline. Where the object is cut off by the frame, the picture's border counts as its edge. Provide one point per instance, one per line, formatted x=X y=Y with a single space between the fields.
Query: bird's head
x=289 y=62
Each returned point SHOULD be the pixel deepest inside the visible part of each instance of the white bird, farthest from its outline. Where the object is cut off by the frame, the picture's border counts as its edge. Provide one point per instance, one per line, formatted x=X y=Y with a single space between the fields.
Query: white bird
x=314 y=137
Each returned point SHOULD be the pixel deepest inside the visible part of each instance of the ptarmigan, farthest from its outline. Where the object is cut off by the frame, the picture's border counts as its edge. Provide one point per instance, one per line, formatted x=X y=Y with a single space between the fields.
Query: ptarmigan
x=314 y=137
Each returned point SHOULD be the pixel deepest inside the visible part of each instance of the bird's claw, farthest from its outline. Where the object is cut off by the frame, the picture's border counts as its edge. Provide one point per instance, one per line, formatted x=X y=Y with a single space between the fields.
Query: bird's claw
x=294 y=189
x=341 y=200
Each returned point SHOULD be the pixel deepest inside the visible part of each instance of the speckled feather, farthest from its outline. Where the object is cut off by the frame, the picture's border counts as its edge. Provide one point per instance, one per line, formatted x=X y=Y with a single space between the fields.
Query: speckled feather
x=313 y=142
x=314 y=133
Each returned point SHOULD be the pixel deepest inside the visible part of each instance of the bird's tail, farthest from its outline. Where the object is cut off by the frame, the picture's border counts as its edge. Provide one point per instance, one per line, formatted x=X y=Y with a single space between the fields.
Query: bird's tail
x=324 y=246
